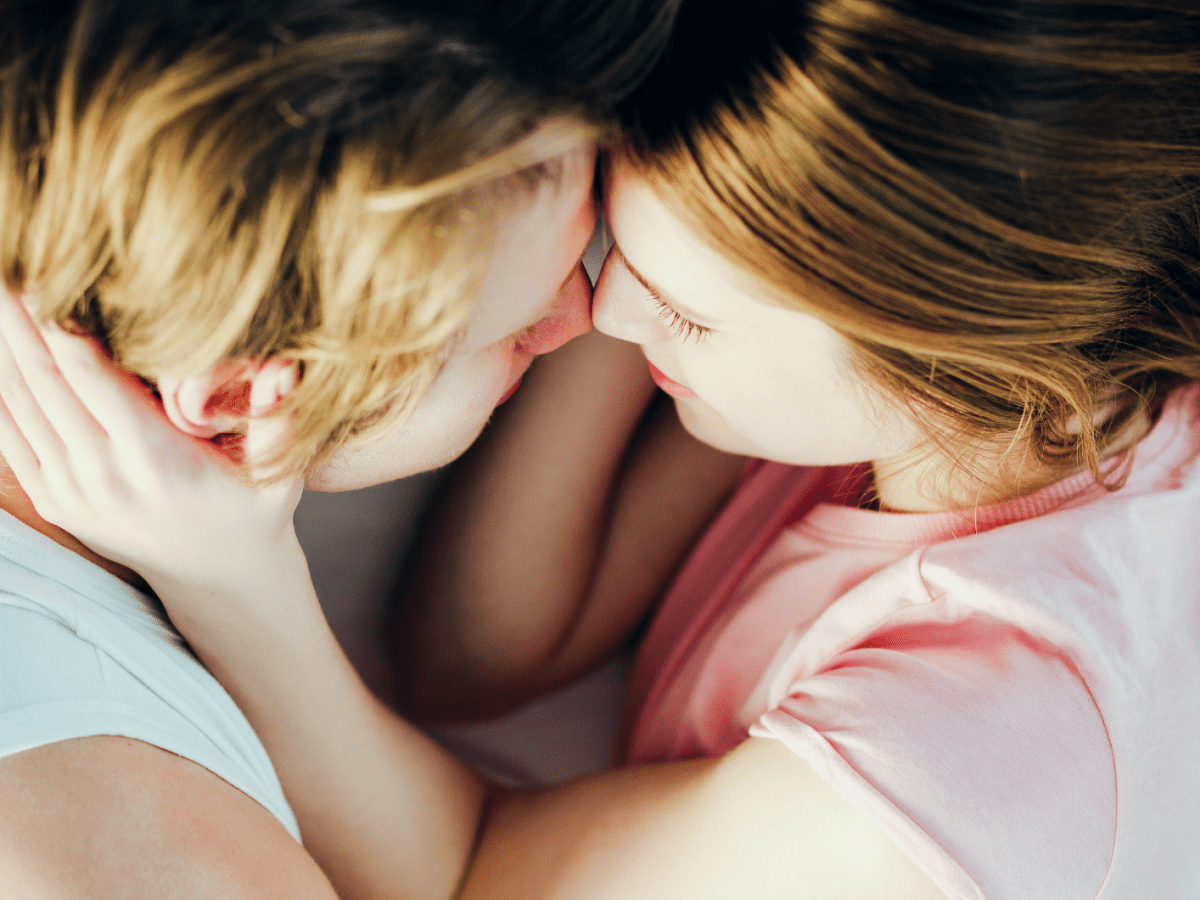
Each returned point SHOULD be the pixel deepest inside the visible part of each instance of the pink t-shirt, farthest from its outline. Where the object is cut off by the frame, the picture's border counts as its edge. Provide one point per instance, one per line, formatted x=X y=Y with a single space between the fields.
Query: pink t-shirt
x=1011 y=693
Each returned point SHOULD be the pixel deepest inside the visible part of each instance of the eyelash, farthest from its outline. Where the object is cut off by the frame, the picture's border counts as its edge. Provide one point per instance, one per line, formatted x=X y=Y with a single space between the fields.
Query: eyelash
x=680 y=325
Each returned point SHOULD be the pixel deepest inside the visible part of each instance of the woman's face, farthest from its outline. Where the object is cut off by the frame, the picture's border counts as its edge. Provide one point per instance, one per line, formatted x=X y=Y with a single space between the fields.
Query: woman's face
x=536 y=298
x=748 y=376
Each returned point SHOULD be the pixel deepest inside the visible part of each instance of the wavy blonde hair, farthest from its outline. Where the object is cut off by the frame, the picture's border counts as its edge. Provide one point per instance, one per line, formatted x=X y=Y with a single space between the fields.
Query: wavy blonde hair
x=996 y=204
x=194 y=182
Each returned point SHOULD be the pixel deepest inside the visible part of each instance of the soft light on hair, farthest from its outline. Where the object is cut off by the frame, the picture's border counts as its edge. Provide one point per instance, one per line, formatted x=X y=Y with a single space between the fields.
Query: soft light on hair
x=996 y=205
x=321 y=181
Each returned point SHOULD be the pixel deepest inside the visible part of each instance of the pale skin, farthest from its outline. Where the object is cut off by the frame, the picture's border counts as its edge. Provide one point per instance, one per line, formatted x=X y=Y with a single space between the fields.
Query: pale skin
x=553 y=537
x=112 y=817
x=552 y=541
x=384 y=811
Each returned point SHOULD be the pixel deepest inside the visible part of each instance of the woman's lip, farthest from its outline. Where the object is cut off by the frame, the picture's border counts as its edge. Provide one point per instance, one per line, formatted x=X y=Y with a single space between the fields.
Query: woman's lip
x=674 y=388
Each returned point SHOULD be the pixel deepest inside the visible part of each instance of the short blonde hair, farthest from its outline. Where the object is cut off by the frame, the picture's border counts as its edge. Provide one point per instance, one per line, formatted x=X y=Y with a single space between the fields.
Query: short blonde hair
x=997 y=208
x=324 y=182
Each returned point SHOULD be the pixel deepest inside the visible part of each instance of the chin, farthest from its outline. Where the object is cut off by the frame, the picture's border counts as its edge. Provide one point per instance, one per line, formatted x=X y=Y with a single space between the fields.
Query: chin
x=365 y=465
x=333 y=479
x=709 y=428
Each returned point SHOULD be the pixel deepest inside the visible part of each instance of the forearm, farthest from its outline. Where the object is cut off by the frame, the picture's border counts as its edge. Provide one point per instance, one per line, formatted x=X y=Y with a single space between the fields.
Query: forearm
x=387 y=813
x=383 y=809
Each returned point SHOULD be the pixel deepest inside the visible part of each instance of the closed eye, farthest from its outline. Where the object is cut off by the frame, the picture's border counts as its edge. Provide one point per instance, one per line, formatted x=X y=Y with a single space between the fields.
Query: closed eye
x=680 y=325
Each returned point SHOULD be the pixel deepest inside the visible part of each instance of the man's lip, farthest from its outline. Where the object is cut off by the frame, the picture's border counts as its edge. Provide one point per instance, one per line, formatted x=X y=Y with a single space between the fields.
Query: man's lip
x=674 y=388
x=512 y=390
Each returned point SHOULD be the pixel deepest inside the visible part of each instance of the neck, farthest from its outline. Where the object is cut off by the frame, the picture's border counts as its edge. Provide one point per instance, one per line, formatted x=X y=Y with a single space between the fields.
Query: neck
x=939 y=482
x=936 y=483
x=15 y=502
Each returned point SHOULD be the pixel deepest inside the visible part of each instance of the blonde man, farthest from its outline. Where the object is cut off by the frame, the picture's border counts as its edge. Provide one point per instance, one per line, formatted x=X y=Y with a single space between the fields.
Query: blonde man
x=330 y=237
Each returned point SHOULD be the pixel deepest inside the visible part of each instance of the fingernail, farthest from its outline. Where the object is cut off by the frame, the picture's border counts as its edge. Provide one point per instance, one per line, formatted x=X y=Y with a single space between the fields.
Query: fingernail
x=31 y=300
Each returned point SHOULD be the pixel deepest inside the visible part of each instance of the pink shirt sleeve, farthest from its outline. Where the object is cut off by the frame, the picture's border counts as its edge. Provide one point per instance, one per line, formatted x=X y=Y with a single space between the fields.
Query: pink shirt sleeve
x=977 y=749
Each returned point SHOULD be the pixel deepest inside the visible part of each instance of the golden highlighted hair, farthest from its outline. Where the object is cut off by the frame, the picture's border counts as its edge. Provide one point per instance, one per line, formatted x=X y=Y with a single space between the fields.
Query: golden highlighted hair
x=195 y=181
x=995 y=203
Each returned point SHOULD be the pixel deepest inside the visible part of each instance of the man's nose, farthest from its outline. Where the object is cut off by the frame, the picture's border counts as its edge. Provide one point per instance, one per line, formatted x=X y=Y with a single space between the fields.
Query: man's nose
x=570 y=317
x=621 y=308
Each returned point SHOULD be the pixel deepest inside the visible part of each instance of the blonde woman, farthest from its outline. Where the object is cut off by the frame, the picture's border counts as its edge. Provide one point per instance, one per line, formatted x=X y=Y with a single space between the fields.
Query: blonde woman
x=330 y=237
x=937 y=264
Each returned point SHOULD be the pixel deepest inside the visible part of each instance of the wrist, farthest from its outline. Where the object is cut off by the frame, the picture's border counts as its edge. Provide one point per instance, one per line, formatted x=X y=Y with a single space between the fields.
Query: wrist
x=255 y=590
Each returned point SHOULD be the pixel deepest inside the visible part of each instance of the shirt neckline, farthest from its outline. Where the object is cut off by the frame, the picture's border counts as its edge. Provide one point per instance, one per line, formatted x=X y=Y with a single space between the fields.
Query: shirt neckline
x=30 y=549
x=866 y=526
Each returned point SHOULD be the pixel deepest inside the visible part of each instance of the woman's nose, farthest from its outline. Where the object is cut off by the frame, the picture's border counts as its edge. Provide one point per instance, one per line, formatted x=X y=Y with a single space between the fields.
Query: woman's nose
x=570 y=317
x=621 y=308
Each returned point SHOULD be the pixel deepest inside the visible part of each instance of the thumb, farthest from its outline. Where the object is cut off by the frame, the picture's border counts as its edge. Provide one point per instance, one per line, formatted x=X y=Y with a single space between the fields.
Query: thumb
x=267 y=430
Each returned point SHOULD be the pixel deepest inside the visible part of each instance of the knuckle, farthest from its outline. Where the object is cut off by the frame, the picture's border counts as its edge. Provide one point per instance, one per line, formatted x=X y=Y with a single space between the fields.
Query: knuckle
x=41 y=374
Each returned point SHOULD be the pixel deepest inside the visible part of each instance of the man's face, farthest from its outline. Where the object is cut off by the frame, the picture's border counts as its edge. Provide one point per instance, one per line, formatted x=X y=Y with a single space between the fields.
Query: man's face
x=536 y=298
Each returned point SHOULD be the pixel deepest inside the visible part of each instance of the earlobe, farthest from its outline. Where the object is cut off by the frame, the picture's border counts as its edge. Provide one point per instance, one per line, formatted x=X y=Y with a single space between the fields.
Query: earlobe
x=273 y=380
x=221 y=399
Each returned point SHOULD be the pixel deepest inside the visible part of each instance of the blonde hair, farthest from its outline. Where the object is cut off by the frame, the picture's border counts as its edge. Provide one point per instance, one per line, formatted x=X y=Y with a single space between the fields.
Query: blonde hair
x=321 y=181
x=996 y=205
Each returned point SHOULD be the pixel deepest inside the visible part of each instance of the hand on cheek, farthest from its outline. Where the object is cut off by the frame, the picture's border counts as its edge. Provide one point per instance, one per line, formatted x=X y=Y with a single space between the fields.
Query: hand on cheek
x=97 y=456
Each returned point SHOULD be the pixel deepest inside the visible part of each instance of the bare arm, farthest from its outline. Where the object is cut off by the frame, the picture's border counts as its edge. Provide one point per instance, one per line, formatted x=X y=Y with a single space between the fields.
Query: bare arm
x=386 y=812
x=757 y=822
x=552 y=538
x=116 y=818
x=390 y=815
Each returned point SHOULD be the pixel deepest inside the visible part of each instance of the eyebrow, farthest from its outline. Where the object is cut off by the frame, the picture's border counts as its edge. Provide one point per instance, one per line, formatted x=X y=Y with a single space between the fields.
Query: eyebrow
x=657 y=291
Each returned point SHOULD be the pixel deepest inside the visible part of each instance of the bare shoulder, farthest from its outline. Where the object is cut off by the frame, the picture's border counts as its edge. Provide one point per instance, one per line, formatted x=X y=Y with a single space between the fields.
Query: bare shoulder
x=118 y=818
x=757 y=822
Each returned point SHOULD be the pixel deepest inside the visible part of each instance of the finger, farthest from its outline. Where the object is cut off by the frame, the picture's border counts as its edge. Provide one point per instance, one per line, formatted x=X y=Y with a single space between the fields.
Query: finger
x=45 y=486
x=24 y=410
x=264 y=436
x=275 y=379
x=266 y=431
x=42 y=403
x=15 y=450
x=143 y=447
x=118 y=401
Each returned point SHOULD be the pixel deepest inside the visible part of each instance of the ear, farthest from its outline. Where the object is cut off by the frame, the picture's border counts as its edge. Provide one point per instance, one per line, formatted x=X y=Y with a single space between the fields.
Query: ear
x=225 y=397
